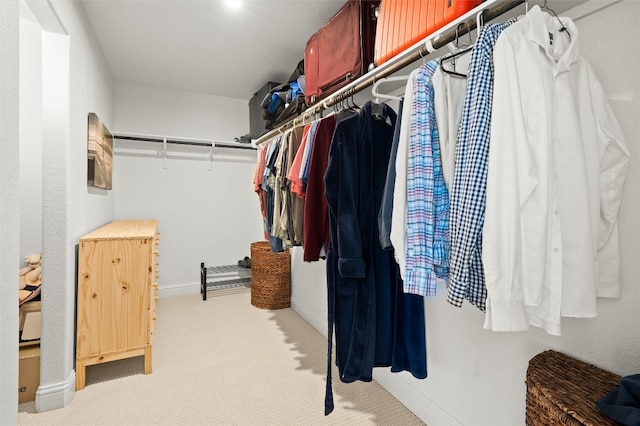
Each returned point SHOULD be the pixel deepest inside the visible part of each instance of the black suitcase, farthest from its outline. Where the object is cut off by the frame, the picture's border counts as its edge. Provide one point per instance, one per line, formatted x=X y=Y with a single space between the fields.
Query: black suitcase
x=257 y=125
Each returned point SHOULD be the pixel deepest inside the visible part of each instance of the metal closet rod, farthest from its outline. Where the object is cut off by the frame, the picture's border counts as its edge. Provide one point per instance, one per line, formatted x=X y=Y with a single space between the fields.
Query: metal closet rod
x=159 y=139
x=420 y=50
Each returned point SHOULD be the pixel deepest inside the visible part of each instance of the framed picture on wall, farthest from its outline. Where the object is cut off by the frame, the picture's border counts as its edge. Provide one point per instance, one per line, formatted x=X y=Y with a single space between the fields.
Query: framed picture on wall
x=99 y=153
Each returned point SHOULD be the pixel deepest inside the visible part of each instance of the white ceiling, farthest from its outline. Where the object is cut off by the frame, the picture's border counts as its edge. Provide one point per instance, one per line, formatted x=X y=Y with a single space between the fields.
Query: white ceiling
x=204 y=46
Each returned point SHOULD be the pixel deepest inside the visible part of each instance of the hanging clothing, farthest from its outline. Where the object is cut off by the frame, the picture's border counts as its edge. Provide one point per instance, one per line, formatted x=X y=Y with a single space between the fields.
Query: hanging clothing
x=294 y=173
x=257 y=186
x=354 y=182
x=409 y=351
x=362 y=279
x=557 y=165
x=386 y=206
x=316 y=216
x=268 y=183
x=295 y=216
x=466 y=274
x=448 y=98
x=280 y=199
x=427 y=234
x=398 y=234
x=306 y=157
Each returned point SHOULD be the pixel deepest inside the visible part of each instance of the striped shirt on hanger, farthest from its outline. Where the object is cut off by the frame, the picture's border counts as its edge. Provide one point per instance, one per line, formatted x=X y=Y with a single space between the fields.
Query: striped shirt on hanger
x=427 y=250
x=398 y=232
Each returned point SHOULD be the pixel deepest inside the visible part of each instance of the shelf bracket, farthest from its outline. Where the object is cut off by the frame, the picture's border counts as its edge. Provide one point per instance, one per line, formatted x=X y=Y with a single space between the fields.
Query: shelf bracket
x=164 y=153
x=213 y=145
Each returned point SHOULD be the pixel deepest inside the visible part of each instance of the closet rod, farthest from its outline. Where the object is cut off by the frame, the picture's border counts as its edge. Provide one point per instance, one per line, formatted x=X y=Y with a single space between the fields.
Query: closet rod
x=463 y=25
x=175 y=141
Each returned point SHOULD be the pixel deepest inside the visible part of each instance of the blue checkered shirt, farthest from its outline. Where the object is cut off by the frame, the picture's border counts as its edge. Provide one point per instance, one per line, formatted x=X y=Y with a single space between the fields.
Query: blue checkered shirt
x=427 y=250
x=468 y=195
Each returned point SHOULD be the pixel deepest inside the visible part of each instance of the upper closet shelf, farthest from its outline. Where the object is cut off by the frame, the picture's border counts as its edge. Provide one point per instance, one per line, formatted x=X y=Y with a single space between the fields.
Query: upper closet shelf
x=183 y=141
x=489 y=9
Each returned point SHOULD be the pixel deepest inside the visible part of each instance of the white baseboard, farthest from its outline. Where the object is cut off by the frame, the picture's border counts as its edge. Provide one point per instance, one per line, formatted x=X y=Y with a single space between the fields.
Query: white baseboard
x=399 y=385
x=396 y=384
x=320 y=324
x=56 y=395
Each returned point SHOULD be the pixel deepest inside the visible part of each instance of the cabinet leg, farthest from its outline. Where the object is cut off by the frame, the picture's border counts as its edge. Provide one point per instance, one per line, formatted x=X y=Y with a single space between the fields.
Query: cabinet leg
x=81 y=369
x=147 y=360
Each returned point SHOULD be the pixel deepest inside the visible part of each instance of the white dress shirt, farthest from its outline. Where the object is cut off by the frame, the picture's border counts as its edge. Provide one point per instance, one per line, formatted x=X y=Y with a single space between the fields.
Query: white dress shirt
x=557 y=163
x=398 y=234
x=449 y=92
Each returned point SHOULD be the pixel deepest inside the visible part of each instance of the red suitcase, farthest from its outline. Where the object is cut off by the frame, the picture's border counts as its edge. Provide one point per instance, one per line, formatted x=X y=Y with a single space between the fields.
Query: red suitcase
x=403 y=23
x=341 y=50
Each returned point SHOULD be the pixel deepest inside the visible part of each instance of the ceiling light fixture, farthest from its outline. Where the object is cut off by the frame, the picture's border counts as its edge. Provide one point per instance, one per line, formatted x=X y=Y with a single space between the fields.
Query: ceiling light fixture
x=233 y=4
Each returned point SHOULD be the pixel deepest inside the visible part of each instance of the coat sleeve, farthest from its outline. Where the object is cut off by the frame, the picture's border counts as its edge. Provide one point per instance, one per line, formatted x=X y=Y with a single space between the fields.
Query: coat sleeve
x=614 y=157
x=341 y=181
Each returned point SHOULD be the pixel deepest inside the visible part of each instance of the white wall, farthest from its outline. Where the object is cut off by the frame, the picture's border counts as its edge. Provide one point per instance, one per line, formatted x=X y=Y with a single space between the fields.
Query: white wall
x=65 y=77
x=82 y=84
x=30 y=134
x=9 y=209
x=204 y=215
x=476 y=377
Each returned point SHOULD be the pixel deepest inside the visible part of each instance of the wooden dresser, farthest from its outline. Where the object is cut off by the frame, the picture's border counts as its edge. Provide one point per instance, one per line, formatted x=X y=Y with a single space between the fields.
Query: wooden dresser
x=117 y=294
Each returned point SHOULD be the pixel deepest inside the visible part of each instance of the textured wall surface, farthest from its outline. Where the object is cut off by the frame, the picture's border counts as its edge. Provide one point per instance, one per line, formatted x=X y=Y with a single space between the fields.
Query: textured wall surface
x=9 y=209
x=74 y=81
x=206 y=208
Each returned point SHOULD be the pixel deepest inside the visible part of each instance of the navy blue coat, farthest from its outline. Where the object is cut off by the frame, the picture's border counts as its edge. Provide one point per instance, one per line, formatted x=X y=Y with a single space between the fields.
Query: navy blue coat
x=362 y=278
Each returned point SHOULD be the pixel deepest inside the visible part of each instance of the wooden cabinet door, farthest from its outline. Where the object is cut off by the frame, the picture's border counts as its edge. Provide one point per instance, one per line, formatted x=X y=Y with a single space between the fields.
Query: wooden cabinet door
x=113 y=295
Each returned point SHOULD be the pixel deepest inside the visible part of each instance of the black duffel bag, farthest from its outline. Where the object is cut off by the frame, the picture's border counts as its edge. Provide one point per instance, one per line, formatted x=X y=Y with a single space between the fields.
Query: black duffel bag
x=286 y=100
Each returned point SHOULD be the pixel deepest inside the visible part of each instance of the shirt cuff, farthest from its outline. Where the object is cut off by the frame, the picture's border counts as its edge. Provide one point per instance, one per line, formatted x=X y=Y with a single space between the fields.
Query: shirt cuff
x=506 y=315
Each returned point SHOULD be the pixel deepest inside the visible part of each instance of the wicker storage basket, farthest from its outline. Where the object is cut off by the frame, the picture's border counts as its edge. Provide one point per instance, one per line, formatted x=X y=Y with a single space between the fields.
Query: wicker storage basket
x=270 y=277
x=562 y=390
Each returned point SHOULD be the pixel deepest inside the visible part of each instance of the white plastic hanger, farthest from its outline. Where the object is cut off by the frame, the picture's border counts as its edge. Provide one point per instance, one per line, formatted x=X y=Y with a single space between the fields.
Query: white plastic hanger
x=480 y=21
x=378 y=95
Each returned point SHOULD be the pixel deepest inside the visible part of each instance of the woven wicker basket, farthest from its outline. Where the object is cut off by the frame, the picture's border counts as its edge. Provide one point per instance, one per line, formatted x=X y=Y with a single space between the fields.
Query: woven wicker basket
x=562 y=390
x=270 y=277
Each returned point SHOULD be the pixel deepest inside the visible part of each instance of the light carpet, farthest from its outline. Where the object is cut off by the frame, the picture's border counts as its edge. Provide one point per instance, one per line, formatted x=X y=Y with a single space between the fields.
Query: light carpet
x=224 y=362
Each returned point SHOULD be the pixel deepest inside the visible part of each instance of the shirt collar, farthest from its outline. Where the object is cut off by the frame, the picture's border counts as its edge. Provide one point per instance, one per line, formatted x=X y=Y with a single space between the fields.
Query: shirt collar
x=538 y=34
